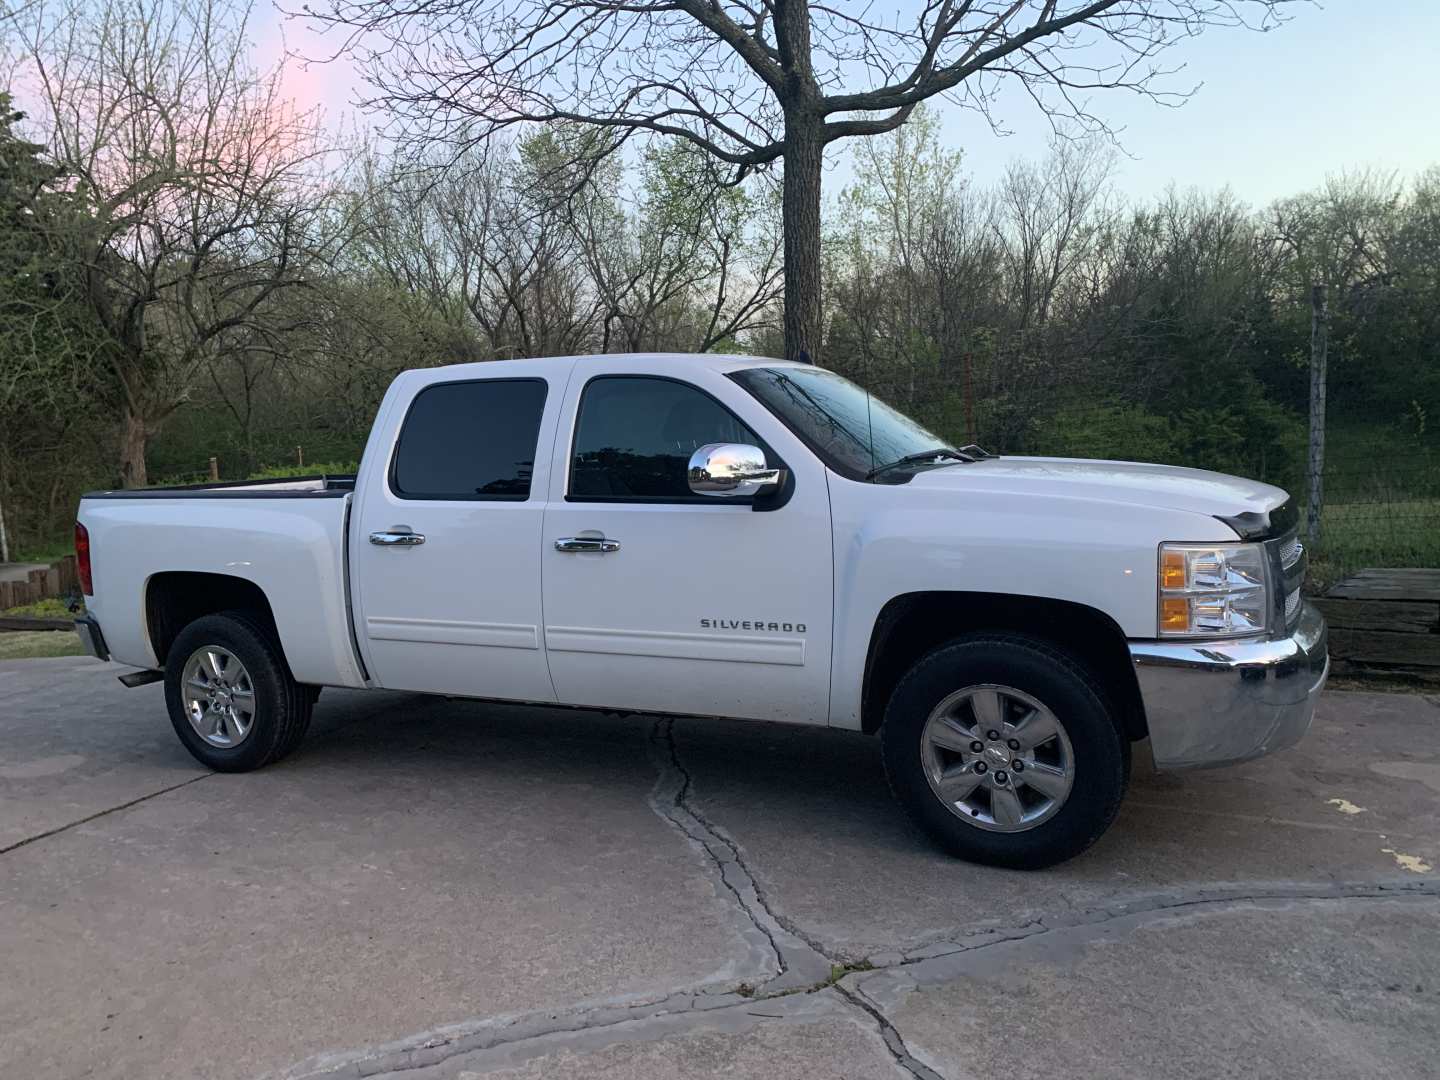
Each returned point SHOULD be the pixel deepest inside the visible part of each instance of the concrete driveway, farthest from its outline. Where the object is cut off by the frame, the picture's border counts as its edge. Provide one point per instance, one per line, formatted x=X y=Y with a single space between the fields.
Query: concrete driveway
x=444 y=889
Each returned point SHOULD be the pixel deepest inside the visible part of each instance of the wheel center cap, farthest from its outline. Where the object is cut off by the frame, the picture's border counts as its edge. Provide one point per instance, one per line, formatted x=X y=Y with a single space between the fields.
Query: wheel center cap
x=997 y=755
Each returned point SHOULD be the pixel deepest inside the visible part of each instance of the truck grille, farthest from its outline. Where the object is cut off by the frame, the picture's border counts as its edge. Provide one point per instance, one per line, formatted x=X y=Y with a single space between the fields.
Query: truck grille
x=1288 y=560
x=1290 y=551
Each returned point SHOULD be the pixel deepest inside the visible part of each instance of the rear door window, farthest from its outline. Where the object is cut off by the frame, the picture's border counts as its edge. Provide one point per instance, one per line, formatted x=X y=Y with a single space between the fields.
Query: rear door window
x=473 y=440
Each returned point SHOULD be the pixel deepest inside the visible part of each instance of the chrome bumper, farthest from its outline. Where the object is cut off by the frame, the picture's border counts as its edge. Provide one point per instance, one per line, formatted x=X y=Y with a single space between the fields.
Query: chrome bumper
x=1219 y=702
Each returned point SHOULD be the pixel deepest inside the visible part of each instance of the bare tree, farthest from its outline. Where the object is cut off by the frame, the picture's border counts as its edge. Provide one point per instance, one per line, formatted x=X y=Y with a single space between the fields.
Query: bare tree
x=692 y=264
x=905 y=183
x=204 y=196
x=752 y=82
x=486 y=248
x=1049 y=213
x=514 y=244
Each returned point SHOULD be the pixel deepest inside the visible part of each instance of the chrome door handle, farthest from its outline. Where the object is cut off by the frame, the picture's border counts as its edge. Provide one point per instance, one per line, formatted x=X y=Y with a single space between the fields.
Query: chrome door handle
x=586 y=543
x=396 y=538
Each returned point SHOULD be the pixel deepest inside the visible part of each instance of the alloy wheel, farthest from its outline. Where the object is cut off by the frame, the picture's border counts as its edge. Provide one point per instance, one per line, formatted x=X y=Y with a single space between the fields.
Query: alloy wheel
x=997 y=758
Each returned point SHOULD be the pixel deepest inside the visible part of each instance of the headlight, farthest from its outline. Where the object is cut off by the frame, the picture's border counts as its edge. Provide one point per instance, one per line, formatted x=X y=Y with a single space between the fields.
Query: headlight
x=1213 y=590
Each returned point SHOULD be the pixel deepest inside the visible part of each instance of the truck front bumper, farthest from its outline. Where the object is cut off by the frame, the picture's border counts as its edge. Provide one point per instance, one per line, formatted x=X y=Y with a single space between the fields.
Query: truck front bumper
x=1220 y=702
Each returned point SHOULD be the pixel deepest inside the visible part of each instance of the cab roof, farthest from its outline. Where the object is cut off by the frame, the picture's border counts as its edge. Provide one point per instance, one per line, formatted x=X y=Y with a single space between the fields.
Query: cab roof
x=718 y=362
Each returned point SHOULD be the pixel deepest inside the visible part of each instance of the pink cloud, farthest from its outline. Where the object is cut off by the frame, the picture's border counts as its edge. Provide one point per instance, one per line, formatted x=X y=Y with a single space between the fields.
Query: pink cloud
x=309 y=78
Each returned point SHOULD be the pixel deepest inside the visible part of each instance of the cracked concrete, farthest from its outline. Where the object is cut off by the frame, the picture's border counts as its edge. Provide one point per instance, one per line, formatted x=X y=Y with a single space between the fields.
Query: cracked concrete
x=881 y=993
x=813 y=809
x=1218 y=989
x=447 y=889
x=799 y=961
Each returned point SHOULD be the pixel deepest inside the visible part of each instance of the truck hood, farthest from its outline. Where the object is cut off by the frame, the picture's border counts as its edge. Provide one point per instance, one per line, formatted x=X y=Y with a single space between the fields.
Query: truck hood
x=1168 y=486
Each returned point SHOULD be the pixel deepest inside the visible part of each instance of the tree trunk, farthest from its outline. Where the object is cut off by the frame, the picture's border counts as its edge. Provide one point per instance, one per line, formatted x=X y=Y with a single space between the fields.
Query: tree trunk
x=134 y=434
x=804 y=161
x=1315 y=462
x=4 y=494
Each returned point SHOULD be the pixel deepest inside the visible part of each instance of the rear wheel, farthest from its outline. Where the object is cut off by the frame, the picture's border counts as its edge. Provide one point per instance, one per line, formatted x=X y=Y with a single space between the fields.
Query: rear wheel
x=231 y=698
x=1005 y=751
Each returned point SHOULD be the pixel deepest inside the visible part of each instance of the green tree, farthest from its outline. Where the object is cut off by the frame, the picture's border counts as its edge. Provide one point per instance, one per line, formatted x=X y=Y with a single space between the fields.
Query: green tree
x=53 y=376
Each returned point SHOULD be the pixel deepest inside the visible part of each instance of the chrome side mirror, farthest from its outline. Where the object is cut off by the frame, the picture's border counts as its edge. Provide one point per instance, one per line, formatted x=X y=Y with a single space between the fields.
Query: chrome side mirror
x=732 y=470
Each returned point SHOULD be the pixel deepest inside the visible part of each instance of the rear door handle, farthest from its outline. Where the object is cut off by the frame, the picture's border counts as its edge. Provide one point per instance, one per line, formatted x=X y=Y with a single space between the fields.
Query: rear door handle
x=586 y=543
x=397 y=538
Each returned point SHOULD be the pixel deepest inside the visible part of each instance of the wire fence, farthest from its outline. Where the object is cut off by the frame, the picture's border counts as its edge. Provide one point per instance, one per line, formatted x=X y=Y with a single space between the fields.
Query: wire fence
x=1380 y=504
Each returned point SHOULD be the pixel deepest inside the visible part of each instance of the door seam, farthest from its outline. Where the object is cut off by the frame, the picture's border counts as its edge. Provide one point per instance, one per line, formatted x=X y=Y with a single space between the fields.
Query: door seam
x=545 y=521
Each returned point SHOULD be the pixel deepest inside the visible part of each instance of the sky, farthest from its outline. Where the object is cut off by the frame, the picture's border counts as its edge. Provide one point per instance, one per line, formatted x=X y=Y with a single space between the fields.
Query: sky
x=1346 y=84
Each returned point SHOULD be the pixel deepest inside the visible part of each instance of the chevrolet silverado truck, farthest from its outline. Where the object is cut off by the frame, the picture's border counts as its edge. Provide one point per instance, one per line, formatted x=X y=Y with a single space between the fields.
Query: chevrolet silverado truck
x=734 y=537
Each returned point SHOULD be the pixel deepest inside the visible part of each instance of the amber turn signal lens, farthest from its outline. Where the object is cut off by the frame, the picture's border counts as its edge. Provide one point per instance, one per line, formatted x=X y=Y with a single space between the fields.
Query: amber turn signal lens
x=1175 y=614
x=1172 y=569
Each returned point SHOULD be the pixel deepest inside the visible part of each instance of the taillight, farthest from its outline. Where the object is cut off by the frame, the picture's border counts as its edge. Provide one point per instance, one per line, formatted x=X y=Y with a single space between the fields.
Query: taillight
x=82 y=559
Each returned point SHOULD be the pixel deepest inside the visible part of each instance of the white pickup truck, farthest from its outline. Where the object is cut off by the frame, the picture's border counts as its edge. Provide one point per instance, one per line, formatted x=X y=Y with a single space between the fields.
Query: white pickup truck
x=736 y=537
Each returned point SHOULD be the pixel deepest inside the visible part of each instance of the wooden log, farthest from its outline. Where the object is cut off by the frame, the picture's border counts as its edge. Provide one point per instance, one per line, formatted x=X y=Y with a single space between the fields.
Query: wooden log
x=1411 y=616
x=1381 y=583
x=1383 y=674
x=19 y=622
x=1385 y=648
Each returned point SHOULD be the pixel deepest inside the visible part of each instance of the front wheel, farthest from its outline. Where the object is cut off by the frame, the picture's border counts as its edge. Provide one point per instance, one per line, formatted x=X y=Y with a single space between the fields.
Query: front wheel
x=1004 y=750
x=230 y=694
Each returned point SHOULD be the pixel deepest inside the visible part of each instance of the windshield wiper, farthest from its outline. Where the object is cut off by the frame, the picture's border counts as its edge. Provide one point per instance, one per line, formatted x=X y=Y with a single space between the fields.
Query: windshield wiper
x=919 y=459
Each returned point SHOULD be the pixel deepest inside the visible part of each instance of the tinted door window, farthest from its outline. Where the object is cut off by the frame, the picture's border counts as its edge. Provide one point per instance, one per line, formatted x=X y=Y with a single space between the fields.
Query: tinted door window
x=470 y=440
x=635 y=435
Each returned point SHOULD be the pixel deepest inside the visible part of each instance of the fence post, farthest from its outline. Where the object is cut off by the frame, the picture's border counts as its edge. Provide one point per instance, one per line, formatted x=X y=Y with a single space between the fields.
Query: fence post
x=1315 y=461
x=300 y=456
x=214 y=470
x=969 y=403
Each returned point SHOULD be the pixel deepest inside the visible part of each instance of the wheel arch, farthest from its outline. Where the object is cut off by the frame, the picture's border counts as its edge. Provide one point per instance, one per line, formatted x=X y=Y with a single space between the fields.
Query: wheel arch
x=912 y=624
x=176 y=598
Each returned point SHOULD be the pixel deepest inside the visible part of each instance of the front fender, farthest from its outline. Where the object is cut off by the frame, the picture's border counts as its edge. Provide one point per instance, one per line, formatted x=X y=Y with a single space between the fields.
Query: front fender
x=891 y=541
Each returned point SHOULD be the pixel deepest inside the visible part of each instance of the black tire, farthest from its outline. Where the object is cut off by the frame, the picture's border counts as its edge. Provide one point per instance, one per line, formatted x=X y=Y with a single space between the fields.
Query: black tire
x=1101 y=752
x=282 y=706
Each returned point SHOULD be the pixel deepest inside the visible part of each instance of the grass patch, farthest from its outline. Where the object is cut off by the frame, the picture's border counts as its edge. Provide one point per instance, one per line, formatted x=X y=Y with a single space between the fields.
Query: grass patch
x=45 y=552
x=327 y=468
x=53 y=607
x=31 y=644
x=1381 y=533
x=839 y=971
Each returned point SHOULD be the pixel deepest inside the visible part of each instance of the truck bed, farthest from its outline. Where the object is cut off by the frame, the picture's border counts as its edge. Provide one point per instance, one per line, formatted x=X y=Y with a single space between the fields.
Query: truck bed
x=319 y=486
x=287 y=537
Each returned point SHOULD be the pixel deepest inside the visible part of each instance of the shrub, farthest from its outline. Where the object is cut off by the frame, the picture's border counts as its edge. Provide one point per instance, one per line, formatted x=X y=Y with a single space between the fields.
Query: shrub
x=1117 y=432
x=327 y=468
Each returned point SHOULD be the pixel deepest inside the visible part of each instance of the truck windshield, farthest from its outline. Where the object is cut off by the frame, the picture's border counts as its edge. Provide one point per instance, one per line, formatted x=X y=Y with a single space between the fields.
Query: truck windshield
x=853 y=431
